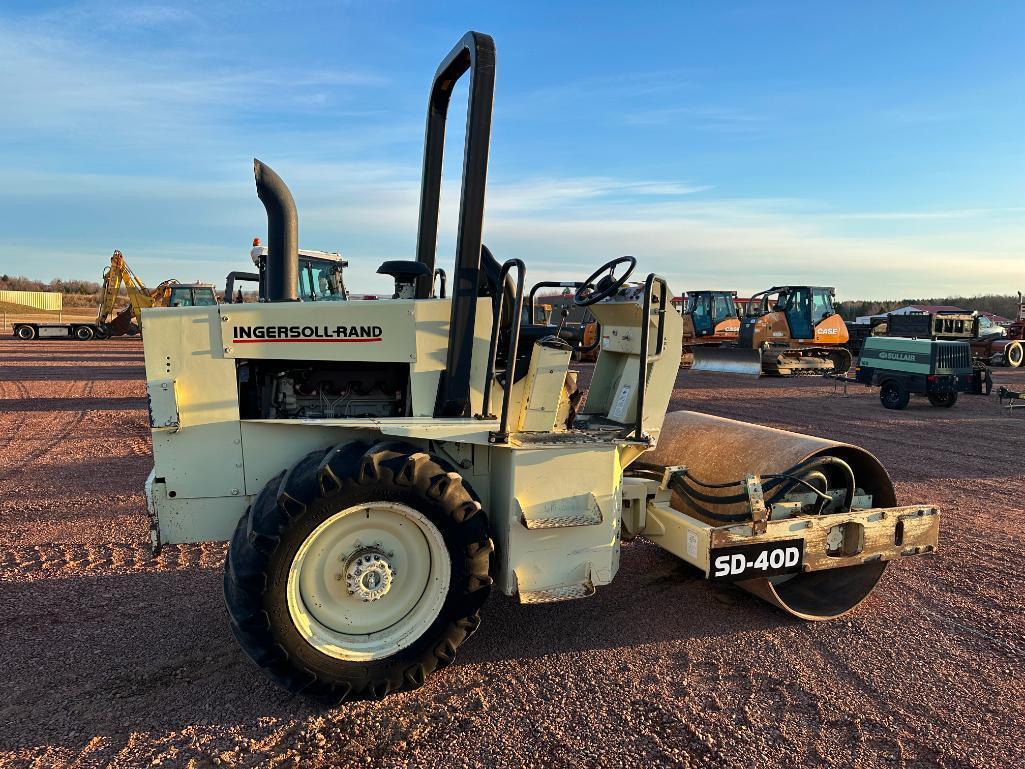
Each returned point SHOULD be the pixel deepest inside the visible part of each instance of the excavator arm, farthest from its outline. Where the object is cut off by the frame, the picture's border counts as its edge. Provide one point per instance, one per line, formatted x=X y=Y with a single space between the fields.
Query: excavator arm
x=119 y=274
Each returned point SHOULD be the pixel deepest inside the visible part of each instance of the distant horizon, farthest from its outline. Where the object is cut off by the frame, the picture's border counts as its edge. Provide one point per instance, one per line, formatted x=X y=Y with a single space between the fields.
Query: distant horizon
x=874 y=147
x=219 y=287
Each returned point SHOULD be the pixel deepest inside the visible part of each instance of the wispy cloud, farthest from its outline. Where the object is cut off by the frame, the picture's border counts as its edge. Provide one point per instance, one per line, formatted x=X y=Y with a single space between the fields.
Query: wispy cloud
x=65 y=80
x=908 y=216
x=700 y=117
x=562 y=228
x=551 y=194
x=107 y=16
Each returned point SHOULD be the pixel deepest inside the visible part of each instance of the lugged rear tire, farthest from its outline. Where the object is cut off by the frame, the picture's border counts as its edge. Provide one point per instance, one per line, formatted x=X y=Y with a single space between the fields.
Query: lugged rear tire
x=292 y=510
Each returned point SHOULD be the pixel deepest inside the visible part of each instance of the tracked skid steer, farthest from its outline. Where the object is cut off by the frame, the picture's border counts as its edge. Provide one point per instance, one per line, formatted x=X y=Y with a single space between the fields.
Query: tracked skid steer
x=787 y=331
x=378 y=467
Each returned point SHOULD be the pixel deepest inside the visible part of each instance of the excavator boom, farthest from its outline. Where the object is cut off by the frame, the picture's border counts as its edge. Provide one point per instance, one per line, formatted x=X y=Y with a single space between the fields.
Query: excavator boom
x=119 y=274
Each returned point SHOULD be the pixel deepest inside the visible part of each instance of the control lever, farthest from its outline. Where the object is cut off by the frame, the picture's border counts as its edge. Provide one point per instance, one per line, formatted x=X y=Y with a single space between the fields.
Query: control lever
x=564 y=313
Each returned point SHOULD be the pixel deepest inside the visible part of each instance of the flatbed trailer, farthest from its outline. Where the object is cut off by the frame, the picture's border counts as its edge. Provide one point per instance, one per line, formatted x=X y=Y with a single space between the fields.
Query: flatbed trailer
x=80 y=330
x=126 y=321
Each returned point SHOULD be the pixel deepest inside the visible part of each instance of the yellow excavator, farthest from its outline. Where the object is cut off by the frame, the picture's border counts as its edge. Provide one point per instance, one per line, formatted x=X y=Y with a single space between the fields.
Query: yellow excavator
x=786 y=331
x=128 y=321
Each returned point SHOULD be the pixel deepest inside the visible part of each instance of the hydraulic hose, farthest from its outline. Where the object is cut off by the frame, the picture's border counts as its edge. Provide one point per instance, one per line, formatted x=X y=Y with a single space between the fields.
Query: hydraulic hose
x=777 y=487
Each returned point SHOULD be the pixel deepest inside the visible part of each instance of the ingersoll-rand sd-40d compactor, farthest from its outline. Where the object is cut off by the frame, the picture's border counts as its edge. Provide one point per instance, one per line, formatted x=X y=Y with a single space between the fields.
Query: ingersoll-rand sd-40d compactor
x=380 y=466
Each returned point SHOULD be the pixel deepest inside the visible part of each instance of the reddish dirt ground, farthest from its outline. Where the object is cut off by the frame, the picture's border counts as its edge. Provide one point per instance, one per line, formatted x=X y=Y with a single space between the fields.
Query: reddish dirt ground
x=112 y=658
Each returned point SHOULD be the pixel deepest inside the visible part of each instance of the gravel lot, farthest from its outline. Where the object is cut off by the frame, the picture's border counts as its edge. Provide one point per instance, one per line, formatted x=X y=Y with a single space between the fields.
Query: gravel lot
x=112 y=658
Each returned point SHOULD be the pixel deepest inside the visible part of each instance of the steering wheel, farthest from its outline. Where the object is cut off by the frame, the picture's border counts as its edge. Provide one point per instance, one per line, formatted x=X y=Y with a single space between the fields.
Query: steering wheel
x=607 y=286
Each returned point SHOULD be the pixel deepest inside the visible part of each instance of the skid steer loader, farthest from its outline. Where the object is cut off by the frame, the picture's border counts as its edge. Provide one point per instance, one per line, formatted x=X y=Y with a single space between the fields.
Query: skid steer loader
x=379 y=466
x=786 y=331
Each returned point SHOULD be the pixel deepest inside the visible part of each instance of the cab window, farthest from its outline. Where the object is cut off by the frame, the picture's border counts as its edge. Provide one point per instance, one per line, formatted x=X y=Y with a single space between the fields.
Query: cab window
x=306 y=286
x=822 y=305
x=724 y=308
x=203 y=297
x=328 y=283
x=181 y=297
x=701 y=305
x=796 y=304
x=701 y=314
x=317 y=283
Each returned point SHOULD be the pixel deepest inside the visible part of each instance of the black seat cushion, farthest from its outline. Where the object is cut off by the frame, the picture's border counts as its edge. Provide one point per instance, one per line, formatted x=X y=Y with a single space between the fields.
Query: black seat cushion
x=397 y=268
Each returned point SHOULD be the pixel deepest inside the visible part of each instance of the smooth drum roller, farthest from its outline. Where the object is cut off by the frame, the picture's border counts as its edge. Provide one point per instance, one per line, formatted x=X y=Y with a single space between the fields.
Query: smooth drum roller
x=719 y=451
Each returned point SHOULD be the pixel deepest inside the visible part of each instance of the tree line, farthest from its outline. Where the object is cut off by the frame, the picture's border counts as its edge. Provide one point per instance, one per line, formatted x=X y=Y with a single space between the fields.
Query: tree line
x=1005 y=305
x=21 y=283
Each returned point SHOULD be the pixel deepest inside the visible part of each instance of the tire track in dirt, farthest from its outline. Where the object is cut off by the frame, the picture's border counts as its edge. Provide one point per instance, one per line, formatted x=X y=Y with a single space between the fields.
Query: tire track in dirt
x=953 y=618
x=922 y=740
x=19 y=391
x=48 y=560
x=57 y=435
x=821 y=728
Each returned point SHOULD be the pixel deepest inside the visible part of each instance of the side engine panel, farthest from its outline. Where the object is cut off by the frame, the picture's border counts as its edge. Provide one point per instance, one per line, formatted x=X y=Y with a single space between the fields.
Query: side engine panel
x=289 y=389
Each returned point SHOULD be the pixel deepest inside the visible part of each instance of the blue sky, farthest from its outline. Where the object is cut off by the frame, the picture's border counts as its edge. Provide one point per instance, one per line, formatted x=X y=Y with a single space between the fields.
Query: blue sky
x=878 y=147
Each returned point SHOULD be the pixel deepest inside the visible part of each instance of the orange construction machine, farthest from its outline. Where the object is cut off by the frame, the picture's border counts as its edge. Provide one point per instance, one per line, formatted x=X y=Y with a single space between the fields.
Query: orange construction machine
x=787 y=331
x=709 y=318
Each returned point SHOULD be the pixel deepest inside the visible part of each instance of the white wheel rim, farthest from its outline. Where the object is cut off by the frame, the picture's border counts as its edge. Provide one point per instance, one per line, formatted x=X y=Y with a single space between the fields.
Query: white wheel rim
x=1014 y=355
x=368 y=581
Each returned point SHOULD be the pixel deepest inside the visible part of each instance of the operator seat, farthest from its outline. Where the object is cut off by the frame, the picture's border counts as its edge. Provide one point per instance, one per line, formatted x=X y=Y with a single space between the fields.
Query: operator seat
x=490 y=272
x=405 y=275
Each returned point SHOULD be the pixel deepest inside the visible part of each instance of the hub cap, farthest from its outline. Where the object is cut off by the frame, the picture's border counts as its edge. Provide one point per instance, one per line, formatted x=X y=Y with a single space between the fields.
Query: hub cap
x=369 y=575
x=368 y=581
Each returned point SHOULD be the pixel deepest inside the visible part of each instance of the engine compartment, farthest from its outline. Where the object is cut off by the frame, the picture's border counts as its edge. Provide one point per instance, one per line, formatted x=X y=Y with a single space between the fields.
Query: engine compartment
x=288 y=389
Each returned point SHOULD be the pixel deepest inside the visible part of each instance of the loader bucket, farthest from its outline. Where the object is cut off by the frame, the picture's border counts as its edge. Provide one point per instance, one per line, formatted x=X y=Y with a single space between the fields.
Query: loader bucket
x=718 y=450
x=727 y=360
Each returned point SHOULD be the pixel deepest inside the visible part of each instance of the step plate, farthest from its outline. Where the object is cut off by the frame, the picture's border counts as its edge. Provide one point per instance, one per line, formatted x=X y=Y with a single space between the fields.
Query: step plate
x=555 y=594
x=580 y=510
x=559 y=522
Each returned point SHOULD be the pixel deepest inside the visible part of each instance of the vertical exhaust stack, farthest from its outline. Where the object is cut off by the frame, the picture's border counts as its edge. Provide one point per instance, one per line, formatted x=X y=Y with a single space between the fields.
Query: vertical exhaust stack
x=282 y=278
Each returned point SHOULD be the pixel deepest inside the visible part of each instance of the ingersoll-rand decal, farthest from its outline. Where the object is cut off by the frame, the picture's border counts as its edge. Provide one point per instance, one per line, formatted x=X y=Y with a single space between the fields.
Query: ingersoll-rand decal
x=264 y=334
